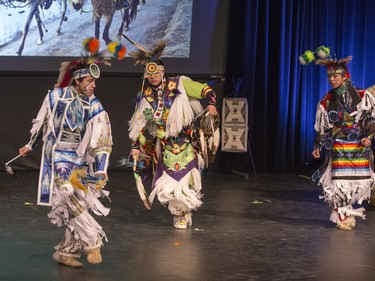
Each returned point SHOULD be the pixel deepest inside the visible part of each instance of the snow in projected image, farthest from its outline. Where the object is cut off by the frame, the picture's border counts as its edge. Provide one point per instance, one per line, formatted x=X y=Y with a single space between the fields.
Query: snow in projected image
x=154 y=20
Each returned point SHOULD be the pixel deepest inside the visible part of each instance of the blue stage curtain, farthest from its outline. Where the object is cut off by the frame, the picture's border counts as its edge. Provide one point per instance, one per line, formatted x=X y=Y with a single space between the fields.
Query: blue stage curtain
x=265 y=40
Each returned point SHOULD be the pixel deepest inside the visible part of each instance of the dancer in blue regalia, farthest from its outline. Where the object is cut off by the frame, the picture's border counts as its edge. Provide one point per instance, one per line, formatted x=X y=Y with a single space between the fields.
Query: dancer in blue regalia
x=76 y=133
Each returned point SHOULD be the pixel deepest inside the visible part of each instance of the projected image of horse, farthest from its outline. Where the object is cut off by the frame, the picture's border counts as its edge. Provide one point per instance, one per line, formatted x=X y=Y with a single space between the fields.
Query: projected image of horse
x=25 y=24
x=35 y=9
x=107 y=9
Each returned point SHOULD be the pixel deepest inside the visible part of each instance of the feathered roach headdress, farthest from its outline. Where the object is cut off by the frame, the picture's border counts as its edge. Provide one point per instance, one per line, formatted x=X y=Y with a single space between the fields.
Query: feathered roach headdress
x=150 y=59
x=143 y=55
x=336 y=66
x=87 y=64
x=323 y=54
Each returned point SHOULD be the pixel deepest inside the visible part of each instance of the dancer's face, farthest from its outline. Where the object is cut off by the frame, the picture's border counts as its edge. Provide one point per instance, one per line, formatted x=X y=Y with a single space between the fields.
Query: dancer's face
x=86 y=86
x=154 y=73
x=336 y=80
x=155 y=79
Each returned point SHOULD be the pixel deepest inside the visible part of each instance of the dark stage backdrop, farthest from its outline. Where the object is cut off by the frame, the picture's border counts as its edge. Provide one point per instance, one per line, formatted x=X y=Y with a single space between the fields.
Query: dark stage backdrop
x=265 y=39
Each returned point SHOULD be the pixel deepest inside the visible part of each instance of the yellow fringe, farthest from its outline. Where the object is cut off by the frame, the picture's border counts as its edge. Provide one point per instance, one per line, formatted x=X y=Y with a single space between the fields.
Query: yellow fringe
x=75 y=179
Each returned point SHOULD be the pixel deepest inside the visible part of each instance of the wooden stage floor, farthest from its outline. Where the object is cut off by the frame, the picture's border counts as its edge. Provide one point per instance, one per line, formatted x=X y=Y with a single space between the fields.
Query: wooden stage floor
x=274 y=228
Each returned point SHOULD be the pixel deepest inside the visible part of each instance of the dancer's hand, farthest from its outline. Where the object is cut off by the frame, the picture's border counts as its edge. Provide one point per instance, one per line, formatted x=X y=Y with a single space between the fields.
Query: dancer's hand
x=23 y=151
x=366 y=142
x=101 y=176
x=212 y=110
x=316 y=153
x=103 y=179
x=135 y=152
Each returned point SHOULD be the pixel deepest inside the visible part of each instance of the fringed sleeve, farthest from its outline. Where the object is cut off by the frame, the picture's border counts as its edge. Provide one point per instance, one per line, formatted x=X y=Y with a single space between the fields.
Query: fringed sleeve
x=322 y=124
x=196 y=90
x=96 y=144
x=371 y=90
x=101 y=142
x=366 y=114
x=180 y=108
x=138 y=121
x=39 y=122
x=366 y=108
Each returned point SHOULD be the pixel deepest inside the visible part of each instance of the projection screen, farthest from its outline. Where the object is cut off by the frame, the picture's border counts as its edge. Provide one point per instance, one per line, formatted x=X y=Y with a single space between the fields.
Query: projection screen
x=195 y=32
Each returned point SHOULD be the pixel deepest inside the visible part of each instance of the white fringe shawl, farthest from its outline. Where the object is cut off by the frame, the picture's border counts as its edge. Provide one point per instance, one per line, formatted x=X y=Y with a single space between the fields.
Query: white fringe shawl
x=186 y=192
x=321 y=120
x=366 y=107
x=138 y=121
x=180 y=115
x=352 y=191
